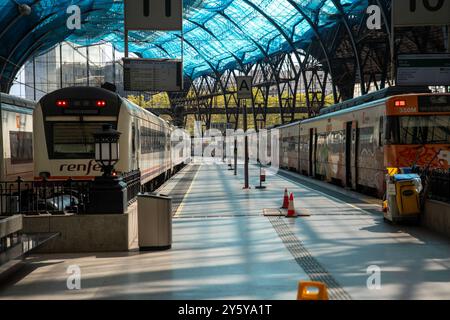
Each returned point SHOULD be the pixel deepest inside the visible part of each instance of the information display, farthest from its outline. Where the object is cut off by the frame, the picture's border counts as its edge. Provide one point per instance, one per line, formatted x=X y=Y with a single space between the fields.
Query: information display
x=152 y=75
x=423 y=69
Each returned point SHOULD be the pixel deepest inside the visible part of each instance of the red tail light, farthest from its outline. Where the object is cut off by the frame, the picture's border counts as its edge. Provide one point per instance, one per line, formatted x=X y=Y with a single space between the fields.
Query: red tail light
x=400 y=103
x=101 y=103
x=62 y=103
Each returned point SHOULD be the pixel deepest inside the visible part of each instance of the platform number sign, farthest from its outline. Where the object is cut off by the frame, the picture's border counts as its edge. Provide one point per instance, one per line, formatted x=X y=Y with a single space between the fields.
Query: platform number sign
x=421 y=12
x=244 y=87
x=165 y=15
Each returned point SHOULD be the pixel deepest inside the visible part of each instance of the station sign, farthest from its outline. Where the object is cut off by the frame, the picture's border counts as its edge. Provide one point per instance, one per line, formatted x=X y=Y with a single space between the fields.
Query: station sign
x=244 y=87
x=407 y=13
x=163 y=15
x=152 y=74
x=423 y=70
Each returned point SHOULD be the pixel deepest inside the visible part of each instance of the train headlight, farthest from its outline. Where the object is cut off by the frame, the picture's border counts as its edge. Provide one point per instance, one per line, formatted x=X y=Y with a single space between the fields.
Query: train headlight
x=107 y=149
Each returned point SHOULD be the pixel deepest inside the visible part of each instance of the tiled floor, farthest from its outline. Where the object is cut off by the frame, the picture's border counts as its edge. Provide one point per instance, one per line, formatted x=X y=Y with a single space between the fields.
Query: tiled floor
x=225 y=249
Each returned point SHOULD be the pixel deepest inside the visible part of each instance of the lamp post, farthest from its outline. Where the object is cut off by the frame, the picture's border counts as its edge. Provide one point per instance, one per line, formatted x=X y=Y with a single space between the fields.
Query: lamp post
x=107 y=149
x=109 y=192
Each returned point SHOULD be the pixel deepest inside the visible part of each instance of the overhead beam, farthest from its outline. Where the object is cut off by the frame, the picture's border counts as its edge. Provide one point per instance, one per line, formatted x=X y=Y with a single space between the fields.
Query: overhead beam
x=195 y=110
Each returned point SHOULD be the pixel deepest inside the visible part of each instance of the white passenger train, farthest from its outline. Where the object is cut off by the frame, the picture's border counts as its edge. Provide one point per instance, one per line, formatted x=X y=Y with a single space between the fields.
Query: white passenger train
x=66 y=119
x=16 y=143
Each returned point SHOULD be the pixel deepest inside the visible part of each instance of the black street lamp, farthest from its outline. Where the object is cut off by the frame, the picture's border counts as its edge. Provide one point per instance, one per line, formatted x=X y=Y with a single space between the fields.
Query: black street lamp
x=107 y=149
x=108 y=194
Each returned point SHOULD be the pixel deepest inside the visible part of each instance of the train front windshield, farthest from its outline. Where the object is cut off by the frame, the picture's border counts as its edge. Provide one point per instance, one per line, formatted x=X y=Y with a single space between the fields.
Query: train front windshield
x=424 y=129
x=74 y=140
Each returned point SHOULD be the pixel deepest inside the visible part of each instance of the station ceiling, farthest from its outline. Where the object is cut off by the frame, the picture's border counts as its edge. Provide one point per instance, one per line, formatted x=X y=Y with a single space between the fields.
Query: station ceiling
x=218 y=34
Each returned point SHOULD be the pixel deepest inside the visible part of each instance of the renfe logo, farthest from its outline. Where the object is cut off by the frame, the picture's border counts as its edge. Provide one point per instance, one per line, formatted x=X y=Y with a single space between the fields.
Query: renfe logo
x=81 y=167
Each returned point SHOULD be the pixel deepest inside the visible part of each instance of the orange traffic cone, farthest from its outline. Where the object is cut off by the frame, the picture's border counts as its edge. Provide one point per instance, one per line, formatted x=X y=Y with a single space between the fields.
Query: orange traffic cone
x=291 y=209
x=285 y=199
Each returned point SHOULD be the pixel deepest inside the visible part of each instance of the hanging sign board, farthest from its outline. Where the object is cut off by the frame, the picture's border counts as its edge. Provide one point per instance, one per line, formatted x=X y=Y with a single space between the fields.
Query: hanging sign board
x=152 y=75
x=244 y=87
x=408 y=13
x=423 y=70
x=164 y=15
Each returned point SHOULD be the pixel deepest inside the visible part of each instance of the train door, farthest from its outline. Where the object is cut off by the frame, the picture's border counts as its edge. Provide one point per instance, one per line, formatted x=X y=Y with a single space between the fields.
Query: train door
x=355 y=155
x=135 y=144
x=348 y=154
x=310 y=150
x=315 y=153
x=351 y=154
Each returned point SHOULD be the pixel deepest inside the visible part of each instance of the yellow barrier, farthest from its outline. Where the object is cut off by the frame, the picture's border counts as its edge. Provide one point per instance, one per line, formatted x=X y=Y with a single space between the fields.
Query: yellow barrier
x=304 y=294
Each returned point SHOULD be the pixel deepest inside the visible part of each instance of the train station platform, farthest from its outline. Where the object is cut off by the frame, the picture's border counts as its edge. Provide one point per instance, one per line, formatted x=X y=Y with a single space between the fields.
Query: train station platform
x=225 y=248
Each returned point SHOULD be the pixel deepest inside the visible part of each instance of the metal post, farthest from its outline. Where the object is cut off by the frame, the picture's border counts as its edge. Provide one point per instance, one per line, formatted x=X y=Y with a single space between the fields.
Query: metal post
x=114 y=64
x=392 y=44
x=126 y=43
x=60 y=67
x=87 y=65
x=447 y=88
x=246 y=186
x=34 y=78
x=235 y=156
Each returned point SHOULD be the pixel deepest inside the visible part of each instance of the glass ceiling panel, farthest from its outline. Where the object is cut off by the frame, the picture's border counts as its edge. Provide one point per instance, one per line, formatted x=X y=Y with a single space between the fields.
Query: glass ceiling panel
x=219 y=34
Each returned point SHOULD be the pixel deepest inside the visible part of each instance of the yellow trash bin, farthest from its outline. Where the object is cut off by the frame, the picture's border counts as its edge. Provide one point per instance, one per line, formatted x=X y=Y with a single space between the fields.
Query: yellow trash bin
x=407 y=197
x=403 y=197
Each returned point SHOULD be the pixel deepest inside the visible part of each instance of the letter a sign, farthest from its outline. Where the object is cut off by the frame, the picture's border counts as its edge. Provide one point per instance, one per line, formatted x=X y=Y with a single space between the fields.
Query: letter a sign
x=166 y=15
x=244 y=86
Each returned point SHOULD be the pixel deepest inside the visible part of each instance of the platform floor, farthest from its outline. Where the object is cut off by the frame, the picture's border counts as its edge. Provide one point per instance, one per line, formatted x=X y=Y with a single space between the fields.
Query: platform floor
x=224 y=248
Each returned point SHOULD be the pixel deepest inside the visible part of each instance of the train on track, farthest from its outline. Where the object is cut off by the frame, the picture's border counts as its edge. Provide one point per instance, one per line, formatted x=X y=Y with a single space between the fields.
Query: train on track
x=16 y=143
x=65 y=120
x=352 y=144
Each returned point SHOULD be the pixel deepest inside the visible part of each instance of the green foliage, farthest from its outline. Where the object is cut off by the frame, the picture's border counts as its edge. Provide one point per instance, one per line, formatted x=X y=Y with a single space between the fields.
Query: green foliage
x=161 y=100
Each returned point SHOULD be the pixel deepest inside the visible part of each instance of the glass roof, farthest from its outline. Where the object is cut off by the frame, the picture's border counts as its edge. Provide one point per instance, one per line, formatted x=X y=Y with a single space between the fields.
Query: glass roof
x=218 y=34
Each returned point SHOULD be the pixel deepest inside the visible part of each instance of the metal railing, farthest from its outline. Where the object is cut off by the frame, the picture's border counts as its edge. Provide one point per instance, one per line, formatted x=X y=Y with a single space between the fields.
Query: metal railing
x=439 y=185
x=436 y=182
x=43 y=196
x=133 y=181
x=55 y=197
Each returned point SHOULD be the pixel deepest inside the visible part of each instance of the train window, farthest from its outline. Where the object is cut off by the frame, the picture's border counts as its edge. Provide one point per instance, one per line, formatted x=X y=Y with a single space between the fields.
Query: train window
x=391 y=134
x=21 y=144
x=133 y=139
x=430 y=129
x=74 y=139
x=366 y=138
x=424 y=129
x=151 y=140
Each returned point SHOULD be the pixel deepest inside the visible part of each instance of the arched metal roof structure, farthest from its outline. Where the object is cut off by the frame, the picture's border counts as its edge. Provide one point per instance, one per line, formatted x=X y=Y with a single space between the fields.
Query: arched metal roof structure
x=219 y=34
x=288 y=46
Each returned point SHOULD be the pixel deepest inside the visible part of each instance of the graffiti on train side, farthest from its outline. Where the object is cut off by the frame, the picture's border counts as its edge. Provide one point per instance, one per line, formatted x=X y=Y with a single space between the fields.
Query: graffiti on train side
x=438 y=156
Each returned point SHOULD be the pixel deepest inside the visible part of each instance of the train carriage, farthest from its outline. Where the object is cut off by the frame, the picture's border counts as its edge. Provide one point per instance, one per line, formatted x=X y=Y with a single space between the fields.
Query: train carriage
x=353 y=143
x=66 y=119
x=16 y=143
x=289 y=146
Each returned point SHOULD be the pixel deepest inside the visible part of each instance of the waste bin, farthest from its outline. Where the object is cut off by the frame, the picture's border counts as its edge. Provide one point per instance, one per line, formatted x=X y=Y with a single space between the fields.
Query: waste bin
x=403 y=197
x=154 y=221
